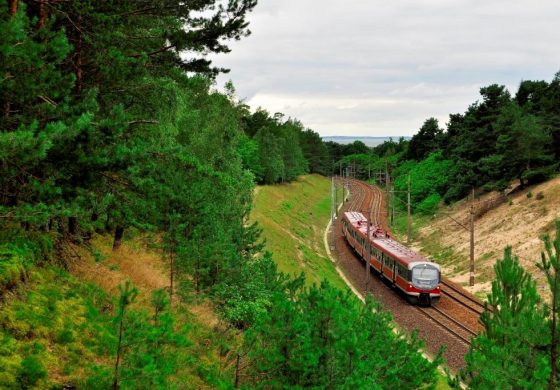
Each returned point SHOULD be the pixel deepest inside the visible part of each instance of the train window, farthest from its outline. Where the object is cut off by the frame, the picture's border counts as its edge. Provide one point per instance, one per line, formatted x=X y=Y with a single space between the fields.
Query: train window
x=425 y=276
x=403 y=272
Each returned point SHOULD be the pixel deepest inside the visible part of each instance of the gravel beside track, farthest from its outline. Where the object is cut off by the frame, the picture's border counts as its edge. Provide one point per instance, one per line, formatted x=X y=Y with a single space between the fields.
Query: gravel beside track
x=453 y=320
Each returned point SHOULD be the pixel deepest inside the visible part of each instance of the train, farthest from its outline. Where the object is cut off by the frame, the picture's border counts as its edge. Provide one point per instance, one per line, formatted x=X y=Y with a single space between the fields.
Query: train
x=415 y=276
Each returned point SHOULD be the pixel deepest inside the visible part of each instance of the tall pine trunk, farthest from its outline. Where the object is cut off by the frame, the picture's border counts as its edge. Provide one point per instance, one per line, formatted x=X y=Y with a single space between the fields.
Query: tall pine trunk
x=73 y=225
x=119 y=233
x=171 y=274
x=42 y=14
x=13 y=7
x=78 y=55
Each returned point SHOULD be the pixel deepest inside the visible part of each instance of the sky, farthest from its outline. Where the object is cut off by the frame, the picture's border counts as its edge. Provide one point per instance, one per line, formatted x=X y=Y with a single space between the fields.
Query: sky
x=380 y=68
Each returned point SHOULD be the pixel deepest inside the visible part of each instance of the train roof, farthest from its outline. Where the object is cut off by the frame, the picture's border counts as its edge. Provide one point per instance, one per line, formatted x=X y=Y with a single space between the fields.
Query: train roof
x=382 y=240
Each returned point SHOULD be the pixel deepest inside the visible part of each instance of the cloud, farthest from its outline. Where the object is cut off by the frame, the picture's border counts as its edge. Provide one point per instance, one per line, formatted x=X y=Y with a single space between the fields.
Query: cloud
x=370 y=67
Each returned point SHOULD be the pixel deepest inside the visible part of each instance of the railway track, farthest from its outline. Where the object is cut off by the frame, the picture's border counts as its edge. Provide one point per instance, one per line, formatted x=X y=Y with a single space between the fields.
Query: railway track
x=369 y=199
x=448 y=323
x=465 y=300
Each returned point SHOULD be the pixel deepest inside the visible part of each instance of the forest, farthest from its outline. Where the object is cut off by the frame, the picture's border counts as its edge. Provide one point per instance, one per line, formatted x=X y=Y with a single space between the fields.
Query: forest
x=111 y=125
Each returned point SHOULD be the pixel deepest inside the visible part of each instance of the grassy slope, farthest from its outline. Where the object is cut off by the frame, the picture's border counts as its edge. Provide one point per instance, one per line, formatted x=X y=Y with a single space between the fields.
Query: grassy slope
x=57 y=327
x=293 y=217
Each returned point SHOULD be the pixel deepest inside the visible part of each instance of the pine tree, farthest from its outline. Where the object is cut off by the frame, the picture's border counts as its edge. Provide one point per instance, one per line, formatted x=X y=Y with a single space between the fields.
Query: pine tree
x=509 y=353
x=128 y=295
x=550 y=264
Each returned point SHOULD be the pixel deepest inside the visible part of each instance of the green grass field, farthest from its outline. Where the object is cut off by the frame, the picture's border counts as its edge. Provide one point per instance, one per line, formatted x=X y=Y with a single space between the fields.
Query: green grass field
x=294 y=217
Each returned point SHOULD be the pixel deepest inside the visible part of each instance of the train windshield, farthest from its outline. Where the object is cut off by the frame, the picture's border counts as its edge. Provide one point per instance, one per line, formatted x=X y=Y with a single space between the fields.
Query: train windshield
x=425 y=276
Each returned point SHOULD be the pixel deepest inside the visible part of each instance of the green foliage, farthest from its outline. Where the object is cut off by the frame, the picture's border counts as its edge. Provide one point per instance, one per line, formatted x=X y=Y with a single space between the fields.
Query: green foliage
x=19 y=251
x=320 y=338
x=315 y=152
x=430 y=204
x=511 y=351
x=428 y=182
x=247 y=295
x=496 y=140
x=31 y=371
x=550 y=265
x=12 y=268
x=152 y=357
x=285 y=148
x=426 y=141
x=58 y=323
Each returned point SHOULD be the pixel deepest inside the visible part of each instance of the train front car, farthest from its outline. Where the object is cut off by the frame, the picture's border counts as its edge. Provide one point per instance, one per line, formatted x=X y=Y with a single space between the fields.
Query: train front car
x=423 y=287
x=416 y=277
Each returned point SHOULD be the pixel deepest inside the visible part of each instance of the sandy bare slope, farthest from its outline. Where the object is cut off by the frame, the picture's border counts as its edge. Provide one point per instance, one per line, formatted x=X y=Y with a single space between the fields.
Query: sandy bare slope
x=519 y=222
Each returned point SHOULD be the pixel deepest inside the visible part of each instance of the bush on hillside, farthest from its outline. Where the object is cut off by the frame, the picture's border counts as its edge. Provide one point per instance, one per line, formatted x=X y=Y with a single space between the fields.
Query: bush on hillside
x=429 y=205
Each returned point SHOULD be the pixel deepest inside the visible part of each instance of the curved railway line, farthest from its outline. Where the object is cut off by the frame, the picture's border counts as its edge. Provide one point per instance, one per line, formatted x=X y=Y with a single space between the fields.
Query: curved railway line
x=458 y=311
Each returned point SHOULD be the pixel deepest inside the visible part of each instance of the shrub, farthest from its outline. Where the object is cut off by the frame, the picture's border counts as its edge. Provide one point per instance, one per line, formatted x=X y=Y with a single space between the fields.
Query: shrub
x=529 y=195
x=540 y=195
x=31 y=371
x=12 y=268
x=429 y=205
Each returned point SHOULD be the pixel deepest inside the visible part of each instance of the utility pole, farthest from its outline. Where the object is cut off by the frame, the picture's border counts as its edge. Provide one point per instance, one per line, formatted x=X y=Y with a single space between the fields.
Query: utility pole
x=408 y=217
x=343 y=184
x=471 y=280
x=332 y=199
x=347 y=168
x=335 y=200
x=393 y=204
x=387 y=186
x=368 y=248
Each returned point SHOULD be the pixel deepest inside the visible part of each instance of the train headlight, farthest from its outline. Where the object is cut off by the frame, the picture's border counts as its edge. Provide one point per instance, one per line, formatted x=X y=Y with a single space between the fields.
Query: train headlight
x=410 y=286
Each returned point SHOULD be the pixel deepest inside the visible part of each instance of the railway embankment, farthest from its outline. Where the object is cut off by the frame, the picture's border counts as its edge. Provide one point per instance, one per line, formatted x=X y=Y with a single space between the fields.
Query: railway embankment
x=520 y=222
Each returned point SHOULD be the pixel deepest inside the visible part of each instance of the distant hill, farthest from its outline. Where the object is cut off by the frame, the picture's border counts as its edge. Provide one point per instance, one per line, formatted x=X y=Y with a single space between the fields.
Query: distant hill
x=369 y=141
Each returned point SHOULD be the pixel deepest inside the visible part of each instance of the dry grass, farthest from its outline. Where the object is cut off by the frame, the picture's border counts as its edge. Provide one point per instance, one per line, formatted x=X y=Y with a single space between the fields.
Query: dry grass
x=133 y=261
x=146 y=268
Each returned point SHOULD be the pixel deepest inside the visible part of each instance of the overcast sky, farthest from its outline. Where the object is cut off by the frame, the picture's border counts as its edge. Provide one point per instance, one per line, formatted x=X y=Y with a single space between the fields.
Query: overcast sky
x=372 y=67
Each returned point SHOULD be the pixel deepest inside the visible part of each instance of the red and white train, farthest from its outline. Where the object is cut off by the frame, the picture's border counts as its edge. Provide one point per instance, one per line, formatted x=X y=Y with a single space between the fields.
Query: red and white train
x=417 y=277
